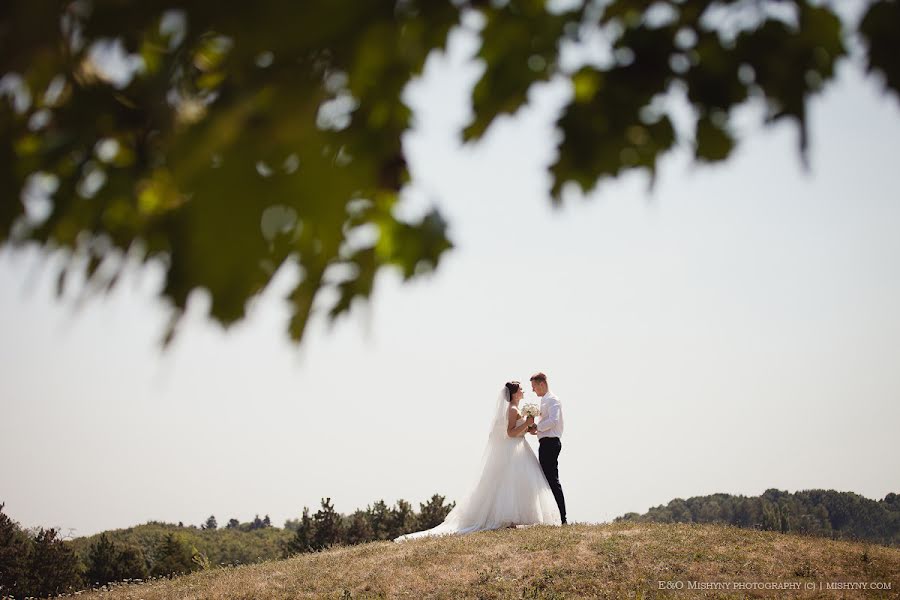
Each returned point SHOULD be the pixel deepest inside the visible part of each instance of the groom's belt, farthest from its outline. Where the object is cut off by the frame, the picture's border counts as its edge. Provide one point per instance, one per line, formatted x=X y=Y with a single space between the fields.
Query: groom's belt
x=547 y=438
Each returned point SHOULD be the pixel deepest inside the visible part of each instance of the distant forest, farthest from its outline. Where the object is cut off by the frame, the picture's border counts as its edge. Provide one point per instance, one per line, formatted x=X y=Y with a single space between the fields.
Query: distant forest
x=827 y=513
x=38 y=563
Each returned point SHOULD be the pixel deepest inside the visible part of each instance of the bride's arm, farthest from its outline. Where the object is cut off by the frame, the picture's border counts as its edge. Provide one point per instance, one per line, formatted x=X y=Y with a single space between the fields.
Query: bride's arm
x=512 y=416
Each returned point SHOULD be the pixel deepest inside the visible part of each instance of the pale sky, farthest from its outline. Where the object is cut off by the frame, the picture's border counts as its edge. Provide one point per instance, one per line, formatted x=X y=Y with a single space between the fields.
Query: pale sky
x=734 y=329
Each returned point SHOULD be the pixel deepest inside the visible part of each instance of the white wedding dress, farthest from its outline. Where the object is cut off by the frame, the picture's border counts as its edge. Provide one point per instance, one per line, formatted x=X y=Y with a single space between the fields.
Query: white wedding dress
x=511 y=490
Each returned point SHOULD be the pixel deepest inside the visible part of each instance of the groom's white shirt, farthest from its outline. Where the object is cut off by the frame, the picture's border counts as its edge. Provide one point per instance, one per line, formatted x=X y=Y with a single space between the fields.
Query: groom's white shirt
x=551 y=423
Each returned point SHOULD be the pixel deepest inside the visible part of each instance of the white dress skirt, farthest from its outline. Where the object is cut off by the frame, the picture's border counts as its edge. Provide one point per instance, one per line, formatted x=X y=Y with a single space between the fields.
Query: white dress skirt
x=512 y=490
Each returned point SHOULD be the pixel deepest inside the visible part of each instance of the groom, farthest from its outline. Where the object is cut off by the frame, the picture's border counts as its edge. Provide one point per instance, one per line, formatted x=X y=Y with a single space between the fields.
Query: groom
x=549 y=431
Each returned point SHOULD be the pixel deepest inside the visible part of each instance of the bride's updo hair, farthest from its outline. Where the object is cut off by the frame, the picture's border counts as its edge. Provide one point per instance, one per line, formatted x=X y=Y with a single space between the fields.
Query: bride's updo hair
x=511 y=388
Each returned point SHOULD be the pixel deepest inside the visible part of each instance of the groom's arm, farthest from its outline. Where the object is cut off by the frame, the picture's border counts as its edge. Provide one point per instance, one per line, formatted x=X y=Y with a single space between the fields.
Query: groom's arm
x=552 y=417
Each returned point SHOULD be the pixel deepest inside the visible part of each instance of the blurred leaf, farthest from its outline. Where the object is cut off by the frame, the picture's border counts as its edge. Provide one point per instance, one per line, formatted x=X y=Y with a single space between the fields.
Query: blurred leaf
x=714 y=142
x=879 y=30
x=519 y=47
x=227 y=140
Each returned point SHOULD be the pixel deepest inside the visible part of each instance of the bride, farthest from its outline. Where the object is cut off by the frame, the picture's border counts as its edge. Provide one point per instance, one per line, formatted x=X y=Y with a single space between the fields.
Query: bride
x=512 y=489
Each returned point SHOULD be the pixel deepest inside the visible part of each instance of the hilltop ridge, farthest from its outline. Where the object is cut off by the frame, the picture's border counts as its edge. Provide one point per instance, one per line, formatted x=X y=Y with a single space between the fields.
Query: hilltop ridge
x=614 y=560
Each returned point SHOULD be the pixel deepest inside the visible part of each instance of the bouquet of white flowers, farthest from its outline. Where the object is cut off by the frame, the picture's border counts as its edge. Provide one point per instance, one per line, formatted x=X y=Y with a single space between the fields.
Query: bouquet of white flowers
x=531 y=410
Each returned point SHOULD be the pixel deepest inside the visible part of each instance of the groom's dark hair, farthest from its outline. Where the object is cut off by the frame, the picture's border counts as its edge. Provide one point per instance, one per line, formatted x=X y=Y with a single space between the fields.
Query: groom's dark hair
x=539 y=377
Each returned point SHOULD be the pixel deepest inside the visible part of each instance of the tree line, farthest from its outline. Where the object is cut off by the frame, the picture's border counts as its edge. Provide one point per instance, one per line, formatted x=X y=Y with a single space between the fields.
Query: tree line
x=38 y=563
x=326 y=527
x=827 y=513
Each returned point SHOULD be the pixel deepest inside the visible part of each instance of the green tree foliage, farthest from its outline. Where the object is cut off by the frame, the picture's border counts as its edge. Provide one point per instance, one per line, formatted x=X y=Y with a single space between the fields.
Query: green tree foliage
x=827 y=513
x=211 y=523
x=253 y=525
x=250 y=135
x=357 y=528
x=327 y=529
x=303 y=535
x=131 y=563
x=377 y=522
x=36 y=565
x=433 y=512
x=401 y=519
x=101 y=562
x=892 y=502
x=379 y=516
x=108 y=561
x=174 y=556
x=220 y=546
x=53 y=568
x=15 y=548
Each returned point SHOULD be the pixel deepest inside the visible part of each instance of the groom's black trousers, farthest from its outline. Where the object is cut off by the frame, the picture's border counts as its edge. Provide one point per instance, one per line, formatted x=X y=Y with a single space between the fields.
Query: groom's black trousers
x=548 y=454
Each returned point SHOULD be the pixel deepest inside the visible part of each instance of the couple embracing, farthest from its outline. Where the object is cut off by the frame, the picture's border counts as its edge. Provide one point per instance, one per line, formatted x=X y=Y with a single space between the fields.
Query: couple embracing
x=515 y=488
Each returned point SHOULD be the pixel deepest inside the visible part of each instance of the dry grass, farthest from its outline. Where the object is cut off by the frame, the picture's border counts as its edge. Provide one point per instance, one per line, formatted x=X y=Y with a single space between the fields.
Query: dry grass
x=620 y=560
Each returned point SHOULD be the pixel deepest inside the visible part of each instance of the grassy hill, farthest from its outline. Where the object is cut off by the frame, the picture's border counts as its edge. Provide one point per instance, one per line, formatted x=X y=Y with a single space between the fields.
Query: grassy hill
x=618 y=560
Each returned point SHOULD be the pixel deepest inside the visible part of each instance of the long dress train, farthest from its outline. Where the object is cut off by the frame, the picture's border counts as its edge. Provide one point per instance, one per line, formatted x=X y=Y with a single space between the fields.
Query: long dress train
x=511 y=490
